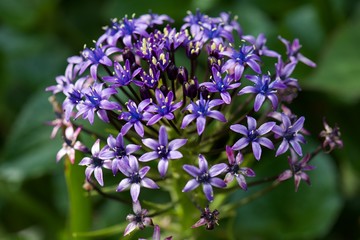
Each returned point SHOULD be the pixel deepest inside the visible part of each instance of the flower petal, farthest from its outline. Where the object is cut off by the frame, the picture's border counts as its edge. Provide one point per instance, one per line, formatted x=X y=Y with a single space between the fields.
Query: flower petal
x=193 y=171
x=135 y=191
x=190 y=185
x=208 y=191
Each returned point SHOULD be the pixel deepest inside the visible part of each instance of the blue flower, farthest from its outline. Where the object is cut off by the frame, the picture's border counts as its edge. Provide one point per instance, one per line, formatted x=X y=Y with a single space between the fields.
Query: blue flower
x=123 y=75
x=138 y=220
x=263 y=88
x=206 y=177
x=135 y=177
x=290 y=133
x=117 y=151
x=201 y=109
x=163 y=150
x=135 y=116
x=97 y=101
x=234 y=169
x=95 y=164
x=164 y=107
x=253 y=136
x=297 y=169
x=239 y=59
x=221 y=85
x=292 y=50
x=95 y=56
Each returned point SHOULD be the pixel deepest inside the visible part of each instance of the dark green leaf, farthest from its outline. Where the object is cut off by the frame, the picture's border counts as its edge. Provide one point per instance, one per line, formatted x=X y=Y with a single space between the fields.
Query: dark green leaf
x=285 y=214
x=339 y=69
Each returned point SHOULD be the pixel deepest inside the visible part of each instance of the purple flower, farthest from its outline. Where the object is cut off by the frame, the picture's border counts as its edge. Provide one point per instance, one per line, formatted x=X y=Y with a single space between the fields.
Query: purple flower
x=206 y=177
x=200 y=110
x=234 y=169
x=138 y=220
x=123 y=75
x=164 y=108
x=135 y=177
x=150 y=80
x=163 y=150
x=95 y=164
x=332 y=137
x=134 y=116
x=208 y=218
x=116 y=150
x=152 y=19
x=297 y=169
x=74 y=96
x=97 y=102
x=221 y=85
x=253 y=136
x=95 y=56
x=239 y=59
x=290 y=133
x=130 y=28
x=263 y=88
x=111 y=35
x=259 y=45
x=292 y=50
x=70 y=144
x=173 y=39
x=195 y=22
x=64 y=81
x=216 y=32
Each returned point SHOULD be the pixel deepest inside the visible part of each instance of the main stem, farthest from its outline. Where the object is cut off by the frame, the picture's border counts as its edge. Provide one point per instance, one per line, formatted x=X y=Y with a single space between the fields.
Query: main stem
x=80 y=213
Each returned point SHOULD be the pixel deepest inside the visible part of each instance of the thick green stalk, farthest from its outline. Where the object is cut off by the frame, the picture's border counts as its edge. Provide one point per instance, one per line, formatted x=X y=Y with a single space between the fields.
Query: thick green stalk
x=79 y=203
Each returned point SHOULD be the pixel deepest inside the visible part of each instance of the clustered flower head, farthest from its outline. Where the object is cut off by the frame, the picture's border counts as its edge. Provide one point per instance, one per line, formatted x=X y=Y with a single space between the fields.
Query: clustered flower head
x=144 y=79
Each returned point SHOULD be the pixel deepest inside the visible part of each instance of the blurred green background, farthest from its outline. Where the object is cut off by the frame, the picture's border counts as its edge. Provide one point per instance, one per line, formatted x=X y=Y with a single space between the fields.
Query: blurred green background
x=36 y=37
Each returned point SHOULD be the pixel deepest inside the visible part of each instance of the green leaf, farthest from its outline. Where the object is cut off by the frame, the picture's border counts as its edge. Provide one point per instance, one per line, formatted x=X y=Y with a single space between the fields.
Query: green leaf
x=338 y=69
x=29 y=151
x=286 y=214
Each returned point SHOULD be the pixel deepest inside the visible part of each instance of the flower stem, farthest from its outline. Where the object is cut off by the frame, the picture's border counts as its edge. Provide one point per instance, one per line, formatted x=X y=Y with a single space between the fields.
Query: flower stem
x=80 y=206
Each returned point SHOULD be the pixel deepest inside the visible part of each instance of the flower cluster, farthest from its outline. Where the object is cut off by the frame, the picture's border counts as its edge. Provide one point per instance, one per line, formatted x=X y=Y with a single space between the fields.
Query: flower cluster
x=145 y=80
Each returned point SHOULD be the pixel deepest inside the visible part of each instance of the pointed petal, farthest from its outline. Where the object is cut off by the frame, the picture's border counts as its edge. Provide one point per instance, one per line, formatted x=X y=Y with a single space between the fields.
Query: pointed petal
x=193 y=171
x=187 y=120
x=151 y=143
x=176 y=144
x=174 y=155
x=190 y=185
x=217 y=182
x=163 y=166
x=149 y=183
x=240 y=144
x=203 y=164
x=208 y=191
x=99 y=175
x=284 y=146
x=265 y=128
x=256 y=150
x=259 y=100
x=239 y=129
x=266 y=142
x=200 y=124
x=217 y=169
x=125 y=183
x=163 y=136
x=135 y=191
x=149 y=156
x=241 y=181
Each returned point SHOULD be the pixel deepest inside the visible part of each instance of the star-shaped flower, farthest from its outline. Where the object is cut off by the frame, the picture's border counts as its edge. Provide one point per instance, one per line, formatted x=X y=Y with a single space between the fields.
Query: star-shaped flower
x=163 y=150
x=95 y=164
x=297 y=170
x=253 y=135
x=206 y=177
x=135 y=177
